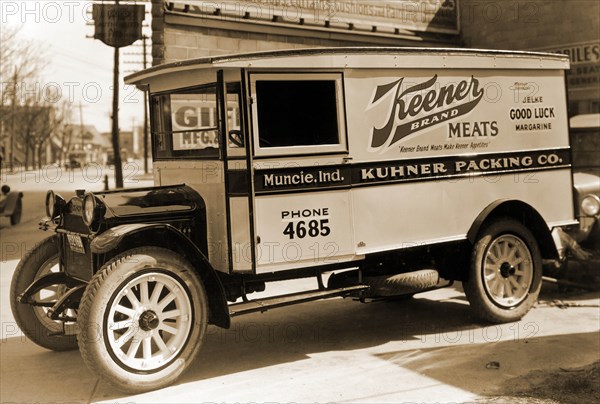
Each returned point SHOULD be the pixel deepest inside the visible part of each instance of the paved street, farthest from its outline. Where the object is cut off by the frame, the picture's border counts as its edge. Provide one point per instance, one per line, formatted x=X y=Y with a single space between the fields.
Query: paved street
x=429 y=349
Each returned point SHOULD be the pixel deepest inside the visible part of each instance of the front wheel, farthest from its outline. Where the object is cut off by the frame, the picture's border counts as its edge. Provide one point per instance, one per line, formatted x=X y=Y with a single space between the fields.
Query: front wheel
x=506 y=272
x=143 y=318
x=33 y=320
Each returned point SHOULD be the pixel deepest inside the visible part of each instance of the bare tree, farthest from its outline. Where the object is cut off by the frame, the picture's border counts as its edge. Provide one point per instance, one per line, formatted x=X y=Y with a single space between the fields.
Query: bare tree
x=28 y=114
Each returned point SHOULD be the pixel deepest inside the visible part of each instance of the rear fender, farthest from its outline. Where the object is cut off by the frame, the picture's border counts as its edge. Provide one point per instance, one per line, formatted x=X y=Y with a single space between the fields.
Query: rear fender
x=128 y=236
x=525 y=214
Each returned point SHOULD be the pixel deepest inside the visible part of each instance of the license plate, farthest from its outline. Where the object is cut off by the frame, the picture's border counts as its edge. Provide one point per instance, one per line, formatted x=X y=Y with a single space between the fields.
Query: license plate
x=75 y=243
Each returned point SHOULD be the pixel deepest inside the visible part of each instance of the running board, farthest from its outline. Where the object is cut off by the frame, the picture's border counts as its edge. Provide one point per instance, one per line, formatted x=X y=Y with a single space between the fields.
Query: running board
x=268 y=303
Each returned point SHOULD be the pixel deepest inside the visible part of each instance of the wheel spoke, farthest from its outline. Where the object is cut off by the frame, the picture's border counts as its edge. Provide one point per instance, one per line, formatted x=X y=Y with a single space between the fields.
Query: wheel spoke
x=156 y=293
x=516 y=284
x=133 y=348
x=508 y=290
x=505 y=248
x=125 y=310
x=133 y=299
x=147 y=348
x=500 y=289
x=169 y=329
x=160 y=343
x=144 y=299
x=170 y=314
x=492 y=256
x=512 y=253
x=119 y=325
x=167 y=299
x=126 y=337
x=497 y=250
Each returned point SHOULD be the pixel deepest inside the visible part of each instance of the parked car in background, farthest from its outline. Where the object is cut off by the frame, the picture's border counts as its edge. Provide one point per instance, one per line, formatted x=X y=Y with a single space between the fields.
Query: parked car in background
x=585 y=149
x=11 y=204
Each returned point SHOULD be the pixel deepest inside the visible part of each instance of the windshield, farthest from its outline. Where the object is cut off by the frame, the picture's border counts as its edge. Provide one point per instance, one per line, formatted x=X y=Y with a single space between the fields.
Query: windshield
x=185 y=123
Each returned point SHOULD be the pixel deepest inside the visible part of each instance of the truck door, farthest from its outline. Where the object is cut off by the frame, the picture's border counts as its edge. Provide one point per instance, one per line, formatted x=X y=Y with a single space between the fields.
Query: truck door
x=237 y=168
x=301 y=171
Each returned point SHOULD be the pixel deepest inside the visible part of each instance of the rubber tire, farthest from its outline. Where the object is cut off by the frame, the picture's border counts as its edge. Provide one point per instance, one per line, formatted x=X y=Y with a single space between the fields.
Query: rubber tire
x=15 y=218
x=481 y=304
x=95 y=300
x=407 y=283
x=402 y=284
x=26 y=272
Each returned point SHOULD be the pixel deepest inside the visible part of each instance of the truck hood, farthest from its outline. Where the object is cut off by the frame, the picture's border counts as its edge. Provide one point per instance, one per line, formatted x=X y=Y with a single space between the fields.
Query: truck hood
x=150 y=201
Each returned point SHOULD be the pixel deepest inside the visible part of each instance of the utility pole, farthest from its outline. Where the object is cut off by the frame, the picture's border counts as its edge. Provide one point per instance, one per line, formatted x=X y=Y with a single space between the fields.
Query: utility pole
x=115 y=122
x=11 y=160
x=144 y=44
x=117 y=26
x=81 y=125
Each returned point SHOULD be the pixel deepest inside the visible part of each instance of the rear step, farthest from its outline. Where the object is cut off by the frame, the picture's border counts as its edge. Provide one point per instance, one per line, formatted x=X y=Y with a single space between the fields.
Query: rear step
x=267 y=303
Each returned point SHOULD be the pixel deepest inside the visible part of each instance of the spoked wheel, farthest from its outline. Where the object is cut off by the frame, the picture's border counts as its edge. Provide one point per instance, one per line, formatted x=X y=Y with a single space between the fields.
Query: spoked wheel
x=33 y=320
x=149 y=321
x=143 y=319
x=506 y=272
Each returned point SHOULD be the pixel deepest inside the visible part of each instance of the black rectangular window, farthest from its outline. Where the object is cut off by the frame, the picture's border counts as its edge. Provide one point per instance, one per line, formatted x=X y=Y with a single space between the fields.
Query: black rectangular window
x=297 y=113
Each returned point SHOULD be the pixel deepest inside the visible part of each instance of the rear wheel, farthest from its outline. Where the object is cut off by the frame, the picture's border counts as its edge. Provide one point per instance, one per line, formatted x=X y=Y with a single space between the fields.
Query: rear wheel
x=506 y=272
x=143 y=318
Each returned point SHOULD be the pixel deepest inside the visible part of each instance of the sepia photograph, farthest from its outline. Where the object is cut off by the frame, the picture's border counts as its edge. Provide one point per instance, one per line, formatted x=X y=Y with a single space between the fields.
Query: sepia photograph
x=299 y=201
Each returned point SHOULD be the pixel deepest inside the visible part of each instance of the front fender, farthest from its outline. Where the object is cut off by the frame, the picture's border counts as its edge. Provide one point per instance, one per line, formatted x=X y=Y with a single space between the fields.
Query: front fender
x=128 y=236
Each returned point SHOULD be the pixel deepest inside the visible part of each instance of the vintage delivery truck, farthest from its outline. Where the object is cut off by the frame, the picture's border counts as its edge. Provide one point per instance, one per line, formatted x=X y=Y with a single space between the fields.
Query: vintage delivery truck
x=378 y=171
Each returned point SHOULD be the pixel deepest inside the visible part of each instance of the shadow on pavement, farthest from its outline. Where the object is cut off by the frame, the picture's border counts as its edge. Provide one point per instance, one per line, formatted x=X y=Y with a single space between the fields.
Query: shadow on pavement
x=31 y=374
x=491 y=369
x=442 y=340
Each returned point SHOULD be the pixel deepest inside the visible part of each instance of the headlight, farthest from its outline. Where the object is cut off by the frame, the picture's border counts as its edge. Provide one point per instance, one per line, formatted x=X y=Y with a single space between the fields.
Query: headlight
x=91 y=209
x=54 y=204
x=590 y=205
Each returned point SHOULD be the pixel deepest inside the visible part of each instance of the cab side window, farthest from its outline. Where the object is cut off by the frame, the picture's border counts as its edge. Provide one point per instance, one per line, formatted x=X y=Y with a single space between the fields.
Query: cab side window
x=298 y=114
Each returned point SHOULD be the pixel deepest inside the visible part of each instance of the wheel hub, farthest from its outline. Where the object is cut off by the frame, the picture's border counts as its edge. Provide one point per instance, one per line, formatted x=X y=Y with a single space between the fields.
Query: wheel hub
x=507 y=270
x=149 y=320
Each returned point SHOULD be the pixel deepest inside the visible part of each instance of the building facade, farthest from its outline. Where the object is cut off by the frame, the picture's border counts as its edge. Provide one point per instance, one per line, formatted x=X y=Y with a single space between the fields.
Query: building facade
x=571 y=27
x=191 y=29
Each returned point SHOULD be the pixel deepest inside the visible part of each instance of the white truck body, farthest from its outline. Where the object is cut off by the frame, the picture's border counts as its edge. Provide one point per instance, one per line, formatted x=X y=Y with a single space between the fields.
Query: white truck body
x=425 y=141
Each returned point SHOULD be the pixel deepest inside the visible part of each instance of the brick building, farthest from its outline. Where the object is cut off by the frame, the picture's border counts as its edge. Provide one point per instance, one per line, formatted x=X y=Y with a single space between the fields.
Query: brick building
x=183 y=30
x=570 y=27
x=190 y=29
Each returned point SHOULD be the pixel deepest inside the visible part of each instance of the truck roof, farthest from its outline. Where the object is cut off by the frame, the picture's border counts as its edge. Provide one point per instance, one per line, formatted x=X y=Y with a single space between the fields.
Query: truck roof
x=364 y=58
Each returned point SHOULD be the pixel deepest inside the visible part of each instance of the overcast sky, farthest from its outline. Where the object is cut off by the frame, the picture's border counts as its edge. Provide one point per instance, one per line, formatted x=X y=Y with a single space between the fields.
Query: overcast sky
x=82 y=67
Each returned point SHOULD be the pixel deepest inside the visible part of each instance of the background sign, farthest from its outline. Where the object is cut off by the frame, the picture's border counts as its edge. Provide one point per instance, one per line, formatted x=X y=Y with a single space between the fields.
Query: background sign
x=585 y=64
x=118 y=25
x=417 y=15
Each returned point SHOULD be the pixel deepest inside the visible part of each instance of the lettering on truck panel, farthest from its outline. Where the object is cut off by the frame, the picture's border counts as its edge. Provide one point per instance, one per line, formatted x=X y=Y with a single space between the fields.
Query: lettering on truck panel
x=434 y=168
